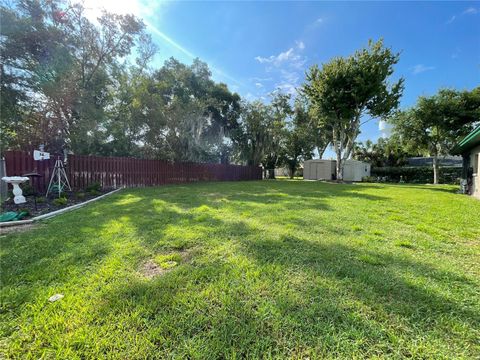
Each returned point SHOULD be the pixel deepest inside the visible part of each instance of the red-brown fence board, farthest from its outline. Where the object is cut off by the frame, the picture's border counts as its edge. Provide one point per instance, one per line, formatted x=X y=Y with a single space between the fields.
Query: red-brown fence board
x=121 y=171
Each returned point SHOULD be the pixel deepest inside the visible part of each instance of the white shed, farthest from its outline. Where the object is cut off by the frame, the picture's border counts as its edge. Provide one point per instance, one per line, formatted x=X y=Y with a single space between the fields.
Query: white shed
x=319 y=169
x=353 y=170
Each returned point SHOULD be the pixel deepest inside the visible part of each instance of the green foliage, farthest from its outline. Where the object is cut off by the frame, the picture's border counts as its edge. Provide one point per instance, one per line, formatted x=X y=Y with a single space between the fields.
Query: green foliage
x=386 y=152
x=27 y=189
x=346 y=89
x=61 y=201
x=168 y=261
x=418 y=174
x=69 y=83
x=184 y=114
x=25 y=211
x=41 y=199
x=276 y=134
x=277 y=271
x=253 y=138
x=300 y=138
x=280 y=111
x=80 y=195
x=436 y=123
x=60 y=65
x=95 y=186
x=54 y=191
x=369 y=179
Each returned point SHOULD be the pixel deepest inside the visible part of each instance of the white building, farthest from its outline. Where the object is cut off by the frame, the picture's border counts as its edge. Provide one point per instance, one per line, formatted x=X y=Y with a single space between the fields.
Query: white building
x=469 y=148
x=353 y=170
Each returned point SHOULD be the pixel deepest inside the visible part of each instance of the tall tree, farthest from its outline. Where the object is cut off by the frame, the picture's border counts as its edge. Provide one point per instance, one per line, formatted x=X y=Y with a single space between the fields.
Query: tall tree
x=436 y=123
x=195 y=114
x=301 y=136
x=347 y=89
x=280 y=111
x=60 y=65
x=252 y=139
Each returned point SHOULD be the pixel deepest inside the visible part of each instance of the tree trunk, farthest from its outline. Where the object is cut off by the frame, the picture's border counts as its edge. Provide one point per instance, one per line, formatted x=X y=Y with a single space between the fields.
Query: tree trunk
x=321 y=150
x=292 y=170
x=271 y=173
x=338 y=152
x=436 y=169
x=339 y=166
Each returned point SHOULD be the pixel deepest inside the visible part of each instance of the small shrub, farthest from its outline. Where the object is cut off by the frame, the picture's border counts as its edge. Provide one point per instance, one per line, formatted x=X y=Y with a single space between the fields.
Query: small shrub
x=40 y=199
x=94 y=188
x=94 y=193
x=80 y=195
x=298 y=173
x=27 y=189
x=369 y=179
x=61 y=201
x=54 y=191
x=417 y=174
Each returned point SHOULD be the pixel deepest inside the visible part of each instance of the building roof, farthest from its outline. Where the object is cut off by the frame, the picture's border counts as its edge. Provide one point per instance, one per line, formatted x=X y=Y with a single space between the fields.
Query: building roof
x=442 y=160
x=468 y=142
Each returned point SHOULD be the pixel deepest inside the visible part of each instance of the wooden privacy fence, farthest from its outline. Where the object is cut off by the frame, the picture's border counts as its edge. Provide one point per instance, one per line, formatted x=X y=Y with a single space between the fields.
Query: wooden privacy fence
x=121 y=171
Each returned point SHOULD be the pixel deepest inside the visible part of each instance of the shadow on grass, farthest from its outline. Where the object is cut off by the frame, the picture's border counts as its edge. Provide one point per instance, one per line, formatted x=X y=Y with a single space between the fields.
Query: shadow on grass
x=427 y=187
x=271 y=294
x=310 y=294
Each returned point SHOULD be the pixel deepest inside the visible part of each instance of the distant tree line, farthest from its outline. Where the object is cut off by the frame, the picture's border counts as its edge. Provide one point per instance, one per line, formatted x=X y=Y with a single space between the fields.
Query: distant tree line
x=431 y=127
x=90 y=88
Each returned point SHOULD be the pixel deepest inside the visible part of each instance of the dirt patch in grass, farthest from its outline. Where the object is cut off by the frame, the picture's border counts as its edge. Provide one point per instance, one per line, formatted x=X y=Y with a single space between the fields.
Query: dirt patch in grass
x=151 y=269
x=164 y=263
x=17 y=228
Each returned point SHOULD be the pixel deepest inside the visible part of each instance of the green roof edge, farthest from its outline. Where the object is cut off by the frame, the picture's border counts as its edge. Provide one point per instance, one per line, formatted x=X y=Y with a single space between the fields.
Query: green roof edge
x=463 y=144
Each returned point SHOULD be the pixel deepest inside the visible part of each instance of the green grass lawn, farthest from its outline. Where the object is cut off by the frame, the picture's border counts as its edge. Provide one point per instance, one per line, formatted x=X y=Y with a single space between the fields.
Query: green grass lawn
x=273 y=269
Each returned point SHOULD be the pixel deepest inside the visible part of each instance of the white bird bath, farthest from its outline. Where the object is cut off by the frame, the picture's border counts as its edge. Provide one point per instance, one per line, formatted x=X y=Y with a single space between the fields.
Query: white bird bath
x=17 y=191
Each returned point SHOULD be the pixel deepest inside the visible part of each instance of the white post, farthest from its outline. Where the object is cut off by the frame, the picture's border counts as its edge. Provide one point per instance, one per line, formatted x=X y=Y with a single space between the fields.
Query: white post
x=58 y=177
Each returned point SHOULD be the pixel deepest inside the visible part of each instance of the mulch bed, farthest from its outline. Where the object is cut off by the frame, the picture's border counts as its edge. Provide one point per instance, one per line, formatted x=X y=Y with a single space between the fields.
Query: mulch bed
x=47 y=204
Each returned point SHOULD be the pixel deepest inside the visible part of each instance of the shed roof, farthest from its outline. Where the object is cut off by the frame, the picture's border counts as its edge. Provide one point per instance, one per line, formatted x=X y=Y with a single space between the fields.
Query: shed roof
x=468 y=142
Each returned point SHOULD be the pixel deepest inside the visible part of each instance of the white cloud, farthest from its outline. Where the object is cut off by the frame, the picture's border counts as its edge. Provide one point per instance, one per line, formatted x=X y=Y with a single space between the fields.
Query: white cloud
x=289 y=57
x=384 y=128
x=470 y=11
x=287 y=65
x=277 y=60
x=451 y=20
x=259 y=85
x=290 y=76
x=261 y=79
x=300 y=44
x=420 y=68
x=456 y=54
x=319 y=21
x=287 y=88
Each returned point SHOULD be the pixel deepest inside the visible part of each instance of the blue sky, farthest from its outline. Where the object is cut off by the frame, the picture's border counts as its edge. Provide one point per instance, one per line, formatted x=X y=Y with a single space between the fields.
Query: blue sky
x=256 y=47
